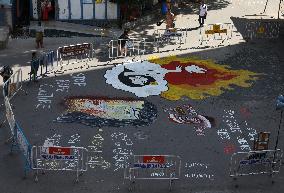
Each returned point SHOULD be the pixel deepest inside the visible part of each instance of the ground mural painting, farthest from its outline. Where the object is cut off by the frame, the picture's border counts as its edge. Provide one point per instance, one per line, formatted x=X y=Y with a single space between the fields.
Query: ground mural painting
x=186 y=114
x=174 y=77
x=99 y=112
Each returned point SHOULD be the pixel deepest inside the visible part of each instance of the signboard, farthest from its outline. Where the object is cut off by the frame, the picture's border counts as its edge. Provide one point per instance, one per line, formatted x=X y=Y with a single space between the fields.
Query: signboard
x=57 y=157
x=150 y=165
x=74 y=50
x=154 y=159
x=261 y=143
x=255 y=161
x=216 y=29
x=59 y=150
x=57 y=153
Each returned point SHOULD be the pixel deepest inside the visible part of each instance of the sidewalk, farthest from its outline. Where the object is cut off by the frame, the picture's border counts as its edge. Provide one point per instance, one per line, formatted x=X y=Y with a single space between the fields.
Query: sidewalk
x=78 y=28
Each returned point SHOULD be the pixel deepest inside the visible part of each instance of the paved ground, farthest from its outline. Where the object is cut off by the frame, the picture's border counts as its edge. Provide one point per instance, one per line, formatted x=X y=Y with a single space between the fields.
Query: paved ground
x=237 y=99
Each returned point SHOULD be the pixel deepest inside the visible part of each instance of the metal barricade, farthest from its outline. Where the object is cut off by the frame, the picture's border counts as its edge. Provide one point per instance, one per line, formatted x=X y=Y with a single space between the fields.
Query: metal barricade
x=255 y=162
x=13 y=84
x=261 y=29
x=10 y=115
x=78 y=52
x=47 y=62
x=175 y=36
x=220 y=33
x=133 y=47
x=21 y=143
x=58 y=158
x=153 y=167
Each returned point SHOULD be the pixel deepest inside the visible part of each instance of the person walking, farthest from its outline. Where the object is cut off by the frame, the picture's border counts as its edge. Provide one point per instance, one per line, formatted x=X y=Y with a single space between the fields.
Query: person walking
x=202 y=13
x=122 y=42
x=39 y=35
x=34 y=66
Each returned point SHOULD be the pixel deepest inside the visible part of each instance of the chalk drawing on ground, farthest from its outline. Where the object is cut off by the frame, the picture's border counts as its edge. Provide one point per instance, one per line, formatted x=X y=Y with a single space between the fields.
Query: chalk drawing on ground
x=186 y=114
x=99 y=112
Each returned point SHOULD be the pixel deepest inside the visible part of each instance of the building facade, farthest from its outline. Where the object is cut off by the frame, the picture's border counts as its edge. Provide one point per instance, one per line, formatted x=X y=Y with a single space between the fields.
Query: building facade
x=75 y=9
x=63 y=10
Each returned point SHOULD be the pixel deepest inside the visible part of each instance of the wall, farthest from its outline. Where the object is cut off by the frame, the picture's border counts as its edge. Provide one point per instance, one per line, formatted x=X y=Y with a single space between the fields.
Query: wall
x=34 y=9
x=112 y=10
x=6 y=16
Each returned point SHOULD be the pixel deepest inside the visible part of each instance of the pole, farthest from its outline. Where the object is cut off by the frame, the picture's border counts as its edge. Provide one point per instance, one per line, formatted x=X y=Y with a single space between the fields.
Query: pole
x=279 y=8
x=277 y=139
x=265 y=6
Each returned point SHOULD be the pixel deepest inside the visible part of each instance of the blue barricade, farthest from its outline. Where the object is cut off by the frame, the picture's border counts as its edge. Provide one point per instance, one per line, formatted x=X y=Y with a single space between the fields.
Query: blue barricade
x=45 y=62
x=21 y=143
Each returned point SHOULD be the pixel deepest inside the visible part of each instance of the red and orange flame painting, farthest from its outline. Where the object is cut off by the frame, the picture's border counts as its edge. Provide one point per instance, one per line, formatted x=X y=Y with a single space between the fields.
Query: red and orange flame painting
x=200 y=78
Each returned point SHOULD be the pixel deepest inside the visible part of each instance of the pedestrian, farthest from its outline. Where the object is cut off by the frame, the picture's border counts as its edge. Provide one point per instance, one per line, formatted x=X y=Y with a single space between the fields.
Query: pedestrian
x=122 y=42
x=39 y=35
x=170 y=17
x=164 y=8
x=202 y=13
x=34 y=66
x=6 y=72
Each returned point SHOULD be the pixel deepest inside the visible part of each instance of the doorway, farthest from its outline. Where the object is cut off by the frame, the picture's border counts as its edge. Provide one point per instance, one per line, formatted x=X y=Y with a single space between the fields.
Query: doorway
x=46 y=9
x=22 y=12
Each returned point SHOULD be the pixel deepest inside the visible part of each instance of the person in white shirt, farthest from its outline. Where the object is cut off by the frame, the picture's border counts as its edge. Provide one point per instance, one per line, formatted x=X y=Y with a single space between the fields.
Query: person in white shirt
x=202 y=13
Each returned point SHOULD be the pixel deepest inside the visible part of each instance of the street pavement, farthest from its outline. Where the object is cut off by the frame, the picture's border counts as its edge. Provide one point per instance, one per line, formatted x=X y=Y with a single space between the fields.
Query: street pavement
x=234 y=87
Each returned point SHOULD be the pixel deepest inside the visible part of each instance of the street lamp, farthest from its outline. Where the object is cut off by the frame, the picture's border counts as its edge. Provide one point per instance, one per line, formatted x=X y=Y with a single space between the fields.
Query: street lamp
x=279 y=106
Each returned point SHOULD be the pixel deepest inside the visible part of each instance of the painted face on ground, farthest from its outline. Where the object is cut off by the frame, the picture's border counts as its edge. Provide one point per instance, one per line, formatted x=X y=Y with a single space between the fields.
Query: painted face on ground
x=141 y=78
x=100 y=112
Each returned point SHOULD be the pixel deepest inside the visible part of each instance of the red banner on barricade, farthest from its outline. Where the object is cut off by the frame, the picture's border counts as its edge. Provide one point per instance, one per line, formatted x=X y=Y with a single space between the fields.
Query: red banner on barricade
x=154 y=159
x=59 y=150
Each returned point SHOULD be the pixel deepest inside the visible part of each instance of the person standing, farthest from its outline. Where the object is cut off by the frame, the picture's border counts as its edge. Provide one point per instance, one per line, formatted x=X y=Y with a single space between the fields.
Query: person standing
x=202 y=13
x=39 y=35
x=170 y=17
x=34 y=66
x=6 y=73
x=122 y=42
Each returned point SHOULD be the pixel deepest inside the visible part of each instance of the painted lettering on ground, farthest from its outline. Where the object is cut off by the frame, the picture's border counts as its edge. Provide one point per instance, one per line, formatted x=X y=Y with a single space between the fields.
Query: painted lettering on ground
x=198 y=170
x=46 y=91
x=79 y=79
x=122 y=150
x=233 y=133
x=74 y=139
x=44 y=96
x=62 y=85
x=186 y=114
x=99 y=112
x=96 y=152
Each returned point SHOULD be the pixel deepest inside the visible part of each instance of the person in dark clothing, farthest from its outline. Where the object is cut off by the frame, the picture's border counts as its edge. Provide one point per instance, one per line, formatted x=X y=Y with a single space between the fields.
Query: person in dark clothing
x=202 y=13
x=6 y=73
x=34 y=66
x=122 y=42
